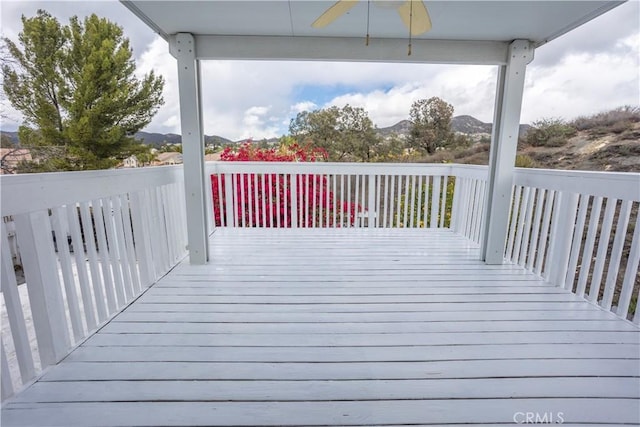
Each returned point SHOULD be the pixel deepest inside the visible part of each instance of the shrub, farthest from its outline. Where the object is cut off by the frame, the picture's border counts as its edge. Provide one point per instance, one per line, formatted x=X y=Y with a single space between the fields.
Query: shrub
x=524 y=161
x=265 y=199
x=609 y=118
x=549 y=132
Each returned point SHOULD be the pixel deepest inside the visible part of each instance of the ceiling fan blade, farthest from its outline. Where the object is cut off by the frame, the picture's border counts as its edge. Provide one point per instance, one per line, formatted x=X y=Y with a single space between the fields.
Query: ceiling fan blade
x=421 y=20
x=334 y=12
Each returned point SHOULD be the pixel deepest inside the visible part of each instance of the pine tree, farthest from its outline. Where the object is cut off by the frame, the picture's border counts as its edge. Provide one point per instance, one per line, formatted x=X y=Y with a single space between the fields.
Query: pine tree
x=76 y=88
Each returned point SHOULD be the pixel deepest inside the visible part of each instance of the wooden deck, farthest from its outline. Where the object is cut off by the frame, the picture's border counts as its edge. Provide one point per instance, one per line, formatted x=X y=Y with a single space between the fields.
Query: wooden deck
x=345 y=327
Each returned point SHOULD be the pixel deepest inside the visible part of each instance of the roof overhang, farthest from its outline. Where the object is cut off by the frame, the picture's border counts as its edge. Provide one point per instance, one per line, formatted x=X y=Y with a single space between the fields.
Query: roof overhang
x=464 y=32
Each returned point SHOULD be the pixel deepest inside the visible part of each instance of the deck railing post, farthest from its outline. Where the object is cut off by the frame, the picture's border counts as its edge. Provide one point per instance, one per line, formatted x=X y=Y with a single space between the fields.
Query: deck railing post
x=561 y=237
x=294 y=200
x=45 y=296
x=228 y=199
x=371 y=203
x=504 y=143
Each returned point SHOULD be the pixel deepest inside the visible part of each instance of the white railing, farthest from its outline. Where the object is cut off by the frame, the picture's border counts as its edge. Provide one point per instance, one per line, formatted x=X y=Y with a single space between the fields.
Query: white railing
x=579 y=231
x=308 y=195
x=469 y=200
x=89 y=243
x=548 y=234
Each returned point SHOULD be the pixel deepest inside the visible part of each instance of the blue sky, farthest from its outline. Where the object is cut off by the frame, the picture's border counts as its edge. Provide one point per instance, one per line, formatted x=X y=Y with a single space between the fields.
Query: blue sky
x=594 y=68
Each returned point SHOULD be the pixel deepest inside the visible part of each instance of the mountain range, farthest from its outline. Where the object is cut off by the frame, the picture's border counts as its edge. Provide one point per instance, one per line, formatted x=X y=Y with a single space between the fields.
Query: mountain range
x=462 y=124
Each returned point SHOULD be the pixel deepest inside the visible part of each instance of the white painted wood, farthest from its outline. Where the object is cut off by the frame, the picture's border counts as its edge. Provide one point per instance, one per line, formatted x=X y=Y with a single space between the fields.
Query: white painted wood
x=484 y=365
x=620 y=185
x=501 y=166
x=631 y=272
x=318 y=390
x=228 y=198
x=443 y=204
x=141 y=234
x=587 y=253
x=170 y=226
x=58 y=189
x=127 y=279
x=184 y=47
x=484 y=358
x=88 y=308
x=561 y=234
x=513 y=221
x=105 y=258
x=114 y=251
x=578 y=232
x=546 y=224
x=58 y=215
x=435 y=202
x=616 y=254
x=341 y=49
x=537 y=225
x=6 y=382
x=15 y=313
x=94 y=265
x=383 y=412
x=603 y=247
x=45 y=296
x=521 y=224
x=524 y=247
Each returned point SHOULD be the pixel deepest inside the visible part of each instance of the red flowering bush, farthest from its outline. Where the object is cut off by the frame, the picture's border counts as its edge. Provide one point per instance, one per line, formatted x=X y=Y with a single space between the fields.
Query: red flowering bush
x=265 y=200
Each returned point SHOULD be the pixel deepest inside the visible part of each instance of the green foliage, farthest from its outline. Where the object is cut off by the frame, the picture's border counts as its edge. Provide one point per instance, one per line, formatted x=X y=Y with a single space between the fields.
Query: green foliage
x=76 y=87
x=5 y=141
x=549 y=132
x=621 y=117
x=418 y=204
x=524 y=161
x=431 y=125
x=346 y=134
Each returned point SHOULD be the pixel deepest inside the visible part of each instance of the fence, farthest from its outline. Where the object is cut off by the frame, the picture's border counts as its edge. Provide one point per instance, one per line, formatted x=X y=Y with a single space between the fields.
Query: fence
x=559 y=230
x=90 y=242
x=332 y=195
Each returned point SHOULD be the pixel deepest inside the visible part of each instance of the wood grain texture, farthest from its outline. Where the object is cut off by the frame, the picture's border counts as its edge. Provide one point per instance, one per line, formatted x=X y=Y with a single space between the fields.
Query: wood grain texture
x=348 y=327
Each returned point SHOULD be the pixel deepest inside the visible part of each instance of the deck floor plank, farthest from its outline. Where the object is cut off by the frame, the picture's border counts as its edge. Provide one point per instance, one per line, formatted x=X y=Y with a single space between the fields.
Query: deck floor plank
x=352 y=327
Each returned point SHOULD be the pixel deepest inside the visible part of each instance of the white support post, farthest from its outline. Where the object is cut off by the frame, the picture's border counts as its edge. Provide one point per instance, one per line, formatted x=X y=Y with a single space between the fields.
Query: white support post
x=504 y=143
x=183 y=48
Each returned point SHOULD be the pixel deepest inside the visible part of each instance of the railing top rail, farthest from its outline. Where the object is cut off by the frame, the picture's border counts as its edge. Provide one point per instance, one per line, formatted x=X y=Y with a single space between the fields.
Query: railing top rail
x=330 y=168
x=470 y=171
x=32 y=192
x=619 y=185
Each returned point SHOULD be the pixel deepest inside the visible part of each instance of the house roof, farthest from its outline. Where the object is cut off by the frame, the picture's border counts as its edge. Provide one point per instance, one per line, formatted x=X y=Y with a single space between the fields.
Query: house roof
x=255 y=29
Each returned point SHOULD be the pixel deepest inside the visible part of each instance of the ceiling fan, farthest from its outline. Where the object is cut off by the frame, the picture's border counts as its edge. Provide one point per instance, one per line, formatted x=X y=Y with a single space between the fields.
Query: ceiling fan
x=413 y=13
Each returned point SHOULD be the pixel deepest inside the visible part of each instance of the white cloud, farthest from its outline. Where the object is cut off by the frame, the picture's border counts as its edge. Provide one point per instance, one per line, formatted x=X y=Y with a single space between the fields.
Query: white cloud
x=584 y=83
x=299 y=107
x=468 y=89
x=584 y=72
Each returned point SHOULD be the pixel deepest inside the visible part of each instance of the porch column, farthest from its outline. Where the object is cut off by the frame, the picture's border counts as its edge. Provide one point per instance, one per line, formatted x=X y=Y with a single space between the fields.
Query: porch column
x=504 y=144
x=183 y=48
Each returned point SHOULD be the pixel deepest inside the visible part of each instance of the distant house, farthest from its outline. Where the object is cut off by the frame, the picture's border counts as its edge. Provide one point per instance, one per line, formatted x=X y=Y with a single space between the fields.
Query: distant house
x=131 y=162
x=10 y=157
x=212 y=157
x=171 y=158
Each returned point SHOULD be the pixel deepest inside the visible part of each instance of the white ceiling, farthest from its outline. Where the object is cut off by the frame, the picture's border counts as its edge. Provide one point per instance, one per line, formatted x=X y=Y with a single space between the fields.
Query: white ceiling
x=537 y=21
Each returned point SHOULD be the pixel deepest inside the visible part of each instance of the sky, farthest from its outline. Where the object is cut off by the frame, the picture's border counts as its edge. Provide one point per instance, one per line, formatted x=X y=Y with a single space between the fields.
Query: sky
x=592 y=69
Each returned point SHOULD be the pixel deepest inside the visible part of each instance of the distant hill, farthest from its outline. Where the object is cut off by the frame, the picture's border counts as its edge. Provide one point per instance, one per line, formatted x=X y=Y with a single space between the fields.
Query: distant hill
x=13 y=136
x=462 y=124
x=155 y=139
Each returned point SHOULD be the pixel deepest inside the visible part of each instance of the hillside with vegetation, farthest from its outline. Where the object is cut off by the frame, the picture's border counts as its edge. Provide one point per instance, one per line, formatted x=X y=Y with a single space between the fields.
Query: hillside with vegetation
x=608 y=141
